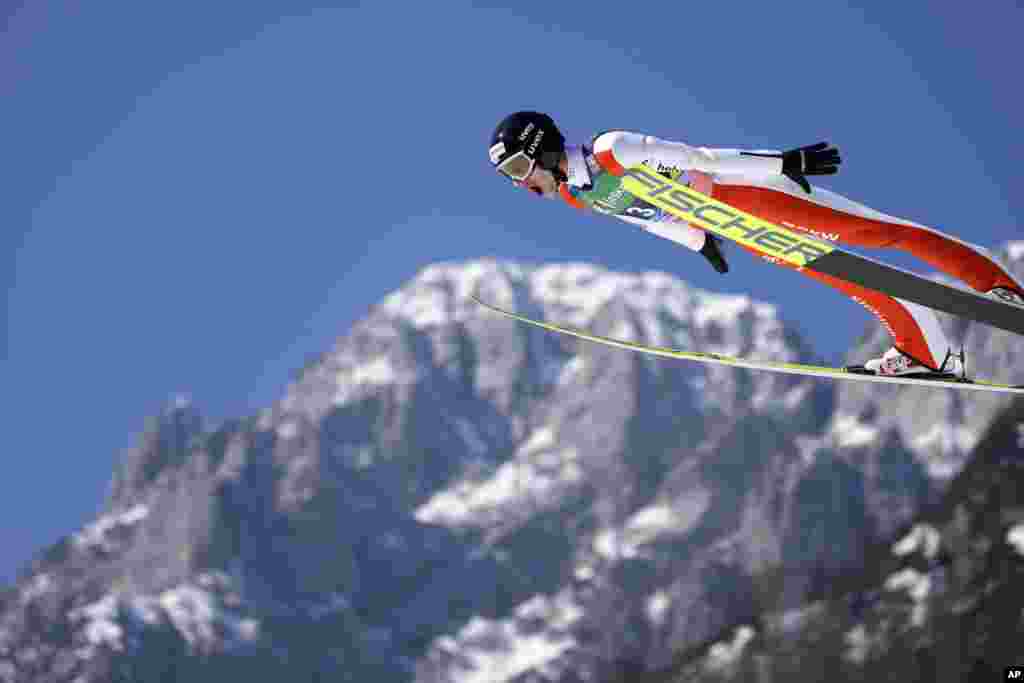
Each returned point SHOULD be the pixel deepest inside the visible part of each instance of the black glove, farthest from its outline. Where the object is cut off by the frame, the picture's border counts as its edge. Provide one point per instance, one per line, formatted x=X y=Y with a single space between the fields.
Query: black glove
x=819 y=159
x=713 y=254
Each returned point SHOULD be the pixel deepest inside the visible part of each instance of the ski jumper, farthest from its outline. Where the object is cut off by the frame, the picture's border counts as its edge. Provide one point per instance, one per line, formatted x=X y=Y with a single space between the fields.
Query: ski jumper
x=755 y=184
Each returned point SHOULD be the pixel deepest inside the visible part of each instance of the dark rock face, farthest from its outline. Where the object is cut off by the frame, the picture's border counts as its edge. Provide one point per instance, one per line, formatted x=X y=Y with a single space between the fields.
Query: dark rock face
x=447 y=495
x=940 y=600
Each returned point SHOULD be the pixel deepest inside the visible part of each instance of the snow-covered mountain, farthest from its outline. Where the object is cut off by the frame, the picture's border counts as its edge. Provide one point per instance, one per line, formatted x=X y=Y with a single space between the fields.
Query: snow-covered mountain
x=448 y=495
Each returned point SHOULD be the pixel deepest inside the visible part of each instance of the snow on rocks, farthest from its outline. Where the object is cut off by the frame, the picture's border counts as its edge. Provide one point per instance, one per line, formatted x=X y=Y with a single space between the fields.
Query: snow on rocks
x=923 y=538
x=947 y=440
x=850 y=432
x=573 y=294
x=39 y=585
x=100 y=625
x=584 y=572
x=677 y=517
x=377 y=371
x=724 y=656
x=352 y=380
x=657 y=607
x=860 y=643
x=288 y=429
x=916 y=584
x=428 y=300
x=196 y=614
x=664 y=312
x=1015 y=537
x=96 y=534
x=608 y=543
x=576 y=291
x=722 y=309
x=538 y=475
x=918 y=587
x=651 y=522
x=198 y=611
x=494 y=651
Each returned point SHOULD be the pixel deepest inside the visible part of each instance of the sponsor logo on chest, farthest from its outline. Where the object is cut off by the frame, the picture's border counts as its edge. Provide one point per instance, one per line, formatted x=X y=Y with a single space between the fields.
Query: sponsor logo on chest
x=613 y=201
x=709 y=214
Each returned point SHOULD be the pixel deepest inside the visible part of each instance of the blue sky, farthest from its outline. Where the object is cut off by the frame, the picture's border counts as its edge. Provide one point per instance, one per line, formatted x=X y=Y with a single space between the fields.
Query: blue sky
x=200 y=196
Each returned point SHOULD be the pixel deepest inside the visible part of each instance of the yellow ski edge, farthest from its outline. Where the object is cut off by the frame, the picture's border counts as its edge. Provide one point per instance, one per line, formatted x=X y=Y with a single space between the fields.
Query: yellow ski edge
x=772 y=366
x=686 y=203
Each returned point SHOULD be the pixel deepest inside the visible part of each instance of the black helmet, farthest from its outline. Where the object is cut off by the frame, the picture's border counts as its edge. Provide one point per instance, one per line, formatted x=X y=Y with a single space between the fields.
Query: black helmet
x=529 y=134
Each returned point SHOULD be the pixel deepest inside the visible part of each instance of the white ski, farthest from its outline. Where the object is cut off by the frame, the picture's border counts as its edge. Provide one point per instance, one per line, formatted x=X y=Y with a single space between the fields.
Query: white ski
x=945 y=381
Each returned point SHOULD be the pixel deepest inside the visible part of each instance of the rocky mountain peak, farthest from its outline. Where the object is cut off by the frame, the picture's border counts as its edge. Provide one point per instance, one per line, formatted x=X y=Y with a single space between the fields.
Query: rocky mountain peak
x=165 y=443
x=446 y=494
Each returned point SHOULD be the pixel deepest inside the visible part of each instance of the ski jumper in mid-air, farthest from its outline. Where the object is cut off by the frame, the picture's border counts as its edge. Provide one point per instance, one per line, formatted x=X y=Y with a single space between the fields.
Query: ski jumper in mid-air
x=528 y=148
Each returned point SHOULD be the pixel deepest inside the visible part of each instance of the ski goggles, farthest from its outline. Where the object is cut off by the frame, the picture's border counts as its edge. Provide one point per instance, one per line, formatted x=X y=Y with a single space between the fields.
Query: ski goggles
x=517 y=167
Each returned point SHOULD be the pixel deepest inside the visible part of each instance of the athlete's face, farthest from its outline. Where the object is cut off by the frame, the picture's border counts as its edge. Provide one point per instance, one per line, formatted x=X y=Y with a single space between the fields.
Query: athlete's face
x=541 y=182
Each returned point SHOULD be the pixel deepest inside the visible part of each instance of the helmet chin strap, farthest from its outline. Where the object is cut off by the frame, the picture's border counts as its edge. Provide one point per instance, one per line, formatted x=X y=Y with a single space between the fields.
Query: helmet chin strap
x=550 y=161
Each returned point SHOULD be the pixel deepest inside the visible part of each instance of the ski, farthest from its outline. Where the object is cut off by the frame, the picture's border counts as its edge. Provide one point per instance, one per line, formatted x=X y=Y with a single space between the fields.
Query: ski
x=949 y=381
x=800 y=250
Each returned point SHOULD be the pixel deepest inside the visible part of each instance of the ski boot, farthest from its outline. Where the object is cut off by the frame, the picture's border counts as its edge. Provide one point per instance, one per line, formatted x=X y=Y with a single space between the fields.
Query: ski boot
x=1006 y=295
x=894 y=363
